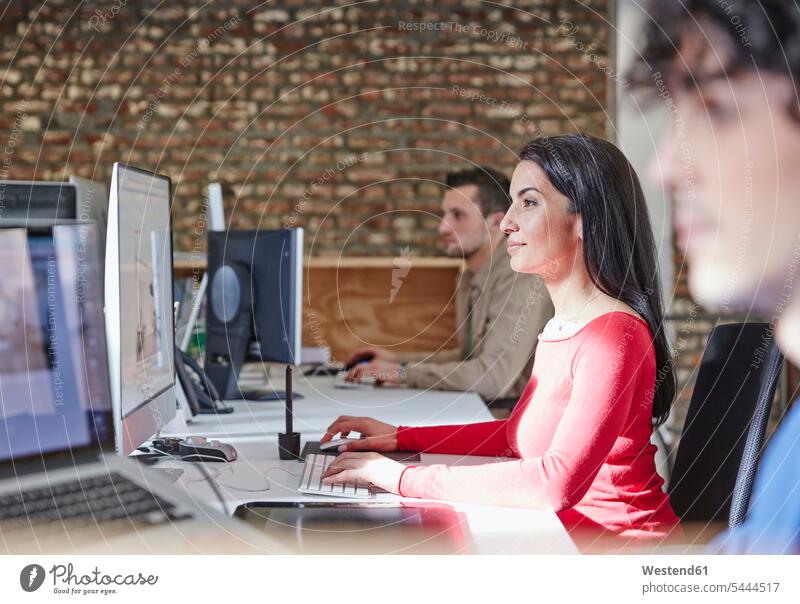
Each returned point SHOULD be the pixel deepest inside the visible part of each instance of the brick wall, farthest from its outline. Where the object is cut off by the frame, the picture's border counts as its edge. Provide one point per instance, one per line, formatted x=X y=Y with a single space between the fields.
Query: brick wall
x=342 y=120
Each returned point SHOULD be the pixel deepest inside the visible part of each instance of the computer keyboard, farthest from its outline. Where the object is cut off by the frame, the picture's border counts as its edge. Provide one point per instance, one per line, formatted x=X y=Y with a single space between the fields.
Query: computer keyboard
x=101 y=498
x=311 y=482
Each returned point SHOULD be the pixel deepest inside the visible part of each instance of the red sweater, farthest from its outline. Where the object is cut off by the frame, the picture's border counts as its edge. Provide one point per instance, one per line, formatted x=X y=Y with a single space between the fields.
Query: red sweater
x=578 y=439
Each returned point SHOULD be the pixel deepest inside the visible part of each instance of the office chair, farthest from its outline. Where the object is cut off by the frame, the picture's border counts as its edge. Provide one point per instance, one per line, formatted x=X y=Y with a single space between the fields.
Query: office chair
x=717 y=456
x=506 y=405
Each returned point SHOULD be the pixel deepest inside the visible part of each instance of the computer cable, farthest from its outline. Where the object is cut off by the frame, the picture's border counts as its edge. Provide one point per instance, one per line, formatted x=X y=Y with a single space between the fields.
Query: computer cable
x=266 y=486
x=213 y=484
x=283 y=470
x=218 y=474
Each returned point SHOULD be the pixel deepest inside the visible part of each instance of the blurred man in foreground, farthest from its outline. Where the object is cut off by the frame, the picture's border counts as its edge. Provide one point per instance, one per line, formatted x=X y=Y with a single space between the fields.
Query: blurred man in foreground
x=727 y=73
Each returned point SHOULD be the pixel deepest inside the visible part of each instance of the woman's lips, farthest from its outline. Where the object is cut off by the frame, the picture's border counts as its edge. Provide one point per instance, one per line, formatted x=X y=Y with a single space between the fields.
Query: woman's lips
x=512 y=247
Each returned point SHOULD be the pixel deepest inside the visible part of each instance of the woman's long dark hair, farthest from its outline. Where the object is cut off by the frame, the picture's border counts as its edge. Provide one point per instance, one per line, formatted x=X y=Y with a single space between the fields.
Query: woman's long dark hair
x=618 y=244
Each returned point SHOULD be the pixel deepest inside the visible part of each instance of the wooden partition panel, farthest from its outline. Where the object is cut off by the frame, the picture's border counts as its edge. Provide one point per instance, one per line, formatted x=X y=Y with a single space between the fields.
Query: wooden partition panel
x=353 y=302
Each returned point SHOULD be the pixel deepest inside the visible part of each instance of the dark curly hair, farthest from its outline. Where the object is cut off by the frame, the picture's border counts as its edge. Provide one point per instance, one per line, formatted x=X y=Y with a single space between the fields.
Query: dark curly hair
x=759 y=35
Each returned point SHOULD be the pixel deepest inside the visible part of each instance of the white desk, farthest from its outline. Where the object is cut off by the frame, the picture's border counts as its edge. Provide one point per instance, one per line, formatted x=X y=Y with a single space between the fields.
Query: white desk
x=258 y=474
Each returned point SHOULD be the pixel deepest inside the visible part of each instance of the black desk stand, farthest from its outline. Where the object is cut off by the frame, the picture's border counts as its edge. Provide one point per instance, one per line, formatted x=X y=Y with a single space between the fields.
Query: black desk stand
x=289 y=441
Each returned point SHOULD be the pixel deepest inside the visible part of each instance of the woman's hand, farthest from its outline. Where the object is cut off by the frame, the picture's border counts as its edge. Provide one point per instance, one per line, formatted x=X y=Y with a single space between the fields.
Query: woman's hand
x=377 y=436
x=365 y=468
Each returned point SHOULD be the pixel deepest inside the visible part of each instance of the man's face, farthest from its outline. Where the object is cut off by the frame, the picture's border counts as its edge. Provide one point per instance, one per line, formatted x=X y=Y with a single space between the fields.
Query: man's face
x=730 y=164
x=463 y=227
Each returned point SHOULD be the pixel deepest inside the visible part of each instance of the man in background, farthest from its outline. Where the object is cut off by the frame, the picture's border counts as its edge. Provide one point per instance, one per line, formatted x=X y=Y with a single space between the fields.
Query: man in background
x=499 y=313
x=728 y=73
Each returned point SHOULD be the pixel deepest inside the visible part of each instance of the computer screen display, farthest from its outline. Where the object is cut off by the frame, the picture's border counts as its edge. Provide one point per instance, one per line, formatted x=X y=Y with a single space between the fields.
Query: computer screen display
x=30 y=201
x=145 y=287
x=190 y=297
x=54 y=390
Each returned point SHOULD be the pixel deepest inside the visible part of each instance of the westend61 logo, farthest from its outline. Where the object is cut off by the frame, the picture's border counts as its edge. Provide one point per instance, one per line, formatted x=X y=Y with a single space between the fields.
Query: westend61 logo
x=67 y=582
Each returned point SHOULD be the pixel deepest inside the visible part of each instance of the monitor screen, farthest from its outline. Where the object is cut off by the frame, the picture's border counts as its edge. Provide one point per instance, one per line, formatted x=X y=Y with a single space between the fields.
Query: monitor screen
x=145 y=287
x=24 y=201
x=54 y=391
x=190 y=299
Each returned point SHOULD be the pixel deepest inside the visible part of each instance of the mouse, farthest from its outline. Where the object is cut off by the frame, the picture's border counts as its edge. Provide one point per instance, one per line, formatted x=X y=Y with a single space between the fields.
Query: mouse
x=341 y=381
x=335 y=443
x=364 y=358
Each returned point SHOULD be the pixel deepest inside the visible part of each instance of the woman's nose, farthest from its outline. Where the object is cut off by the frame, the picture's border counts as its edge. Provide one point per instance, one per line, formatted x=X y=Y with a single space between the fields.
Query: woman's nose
x=507 y=225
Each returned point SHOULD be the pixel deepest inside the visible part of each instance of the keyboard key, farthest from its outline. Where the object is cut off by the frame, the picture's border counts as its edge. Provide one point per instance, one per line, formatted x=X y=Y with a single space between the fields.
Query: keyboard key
x=311 y=480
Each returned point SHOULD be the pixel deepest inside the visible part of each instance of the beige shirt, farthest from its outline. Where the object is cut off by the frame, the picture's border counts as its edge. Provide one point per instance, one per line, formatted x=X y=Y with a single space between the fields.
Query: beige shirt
x=499 y=315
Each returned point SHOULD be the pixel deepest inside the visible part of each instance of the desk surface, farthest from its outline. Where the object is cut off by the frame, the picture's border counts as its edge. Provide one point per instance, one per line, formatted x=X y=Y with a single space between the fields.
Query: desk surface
x=258 y=474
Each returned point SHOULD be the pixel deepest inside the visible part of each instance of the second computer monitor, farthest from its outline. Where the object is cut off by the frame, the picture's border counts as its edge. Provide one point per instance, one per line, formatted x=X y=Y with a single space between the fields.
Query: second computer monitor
x=55 y=403
x=254 y=308
x=139 y=321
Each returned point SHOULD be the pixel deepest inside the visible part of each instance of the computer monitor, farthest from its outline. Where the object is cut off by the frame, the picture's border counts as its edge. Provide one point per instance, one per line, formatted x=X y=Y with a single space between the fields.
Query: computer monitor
x=56 y=403
x=24 y=201
x=139 y=321
x=254 y=304
x=31 y=202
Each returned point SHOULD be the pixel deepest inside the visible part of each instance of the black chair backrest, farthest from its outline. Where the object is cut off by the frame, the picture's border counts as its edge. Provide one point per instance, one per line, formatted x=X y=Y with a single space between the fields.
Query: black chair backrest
x=723 y=434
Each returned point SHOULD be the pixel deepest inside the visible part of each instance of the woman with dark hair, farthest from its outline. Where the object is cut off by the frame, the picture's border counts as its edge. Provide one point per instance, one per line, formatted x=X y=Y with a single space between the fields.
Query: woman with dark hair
x=578 y=441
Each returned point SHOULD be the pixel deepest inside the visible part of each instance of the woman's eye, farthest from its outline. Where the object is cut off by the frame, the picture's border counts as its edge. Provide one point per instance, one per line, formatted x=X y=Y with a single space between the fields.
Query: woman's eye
x=529 y=203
